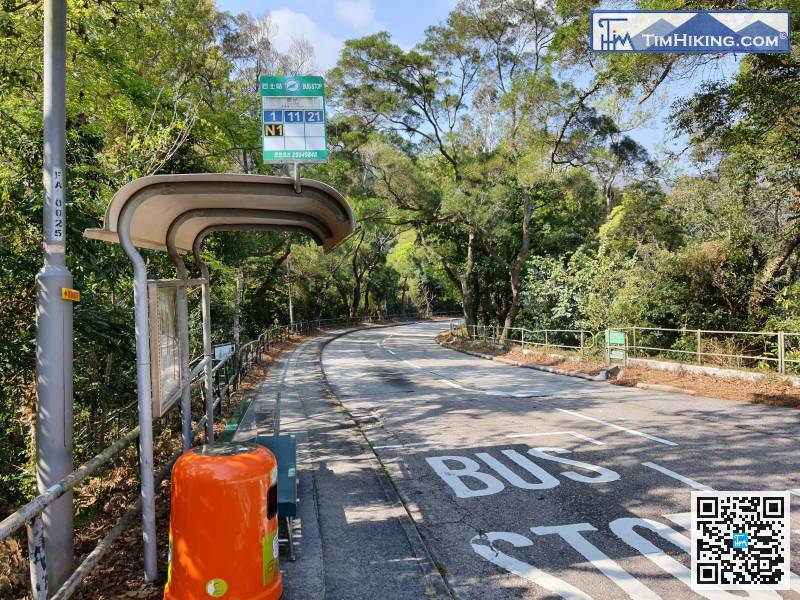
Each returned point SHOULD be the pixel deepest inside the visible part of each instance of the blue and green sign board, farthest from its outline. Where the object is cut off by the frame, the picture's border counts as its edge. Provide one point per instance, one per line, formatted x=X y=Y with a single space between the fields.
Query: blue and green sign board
x=293 y=119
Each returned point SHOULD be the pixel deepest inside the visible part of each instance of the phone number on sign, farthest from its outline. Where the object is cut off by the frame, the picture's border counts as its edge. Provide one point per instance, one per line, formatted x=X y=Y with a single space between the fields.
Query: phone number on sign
x=306 y=154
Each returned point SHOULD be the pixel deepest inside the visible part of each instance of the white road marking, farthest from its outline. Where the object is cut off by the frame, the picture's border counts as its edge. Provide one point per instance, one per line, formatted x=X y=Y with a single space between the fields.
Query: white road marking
x=408 y=362
x=469 y=469
x=683 y=519
x=603 y=475
x=795 y=491
x=401 y=445
x=453 y=384
x=501 y=393
x=620 y=427
x=517 y=567
x=382 y=342
x=690 y=482
x=572 y=534
x=586 y=438
x=532 y=394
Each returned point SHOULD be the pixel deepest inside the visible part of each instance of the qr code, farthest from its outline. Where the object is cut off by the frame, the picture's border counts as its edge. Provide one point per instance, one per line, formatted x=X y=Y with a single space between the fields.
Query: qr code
x=740 y=540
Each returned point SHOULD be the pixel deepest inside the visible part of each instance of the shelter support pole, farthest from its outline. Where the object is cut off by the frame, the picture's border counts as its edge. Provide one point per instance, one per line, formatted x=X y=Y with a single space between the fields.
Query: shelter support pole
x=206 y=302
x=183 y=332
x=144 y=392
x=183 y=342
x=186 y=392
x=54 y=315
x=237 y=315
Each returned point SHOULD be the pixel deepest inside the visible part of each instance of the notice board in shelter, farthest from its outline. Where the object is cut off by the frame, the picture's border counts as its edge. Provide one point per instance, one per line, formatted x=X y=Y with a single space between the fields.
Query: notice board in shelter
x=165 y=351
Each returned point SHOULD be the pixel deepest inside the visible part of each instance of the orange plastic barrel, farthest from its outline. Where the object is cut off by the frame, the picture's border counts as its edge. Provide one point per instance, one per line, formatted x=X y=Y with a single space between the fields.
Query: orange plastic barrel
x=223 y=529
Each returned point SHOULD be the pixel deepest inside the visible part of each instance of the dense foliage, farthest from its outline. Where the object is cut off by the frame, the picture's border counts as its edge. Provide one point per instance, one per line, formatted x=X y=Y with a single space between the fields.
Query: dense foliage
x=161 y=86
x=506 y=145
x=491 y=167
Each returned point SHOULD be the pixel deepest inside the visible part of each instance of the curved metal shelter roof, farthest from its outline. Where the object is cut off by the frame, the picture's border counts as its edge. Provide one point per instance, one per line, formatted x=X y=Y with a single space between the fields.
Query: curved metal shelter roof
x=191 y=204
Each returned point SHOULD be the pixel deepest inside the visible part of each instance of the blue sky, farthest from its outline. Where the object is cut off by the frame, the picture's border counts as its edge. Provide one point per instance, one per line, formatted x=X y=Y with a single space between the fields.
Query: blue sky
x=328 y=23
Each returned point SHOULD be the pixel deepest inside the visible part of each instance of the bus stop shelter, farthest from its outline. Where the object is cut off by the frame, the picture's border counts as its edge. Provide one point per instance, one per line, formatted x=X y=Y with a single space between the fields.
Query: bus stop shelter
x=175 y=213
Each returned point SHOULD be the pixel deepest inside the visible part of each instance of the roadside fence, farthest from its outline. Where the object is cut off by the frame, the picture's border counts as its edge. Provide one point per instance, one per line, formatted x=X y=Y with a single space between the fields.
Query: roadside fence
x=770 y=351
x=580 y=340
x=776 y=351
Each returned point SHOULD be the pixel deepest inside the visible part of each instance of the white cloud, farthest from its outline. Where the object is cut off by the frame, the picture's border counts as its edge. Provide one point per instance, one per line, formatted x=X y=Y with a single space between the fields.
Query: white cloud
x=359 y=14
x=293 y=25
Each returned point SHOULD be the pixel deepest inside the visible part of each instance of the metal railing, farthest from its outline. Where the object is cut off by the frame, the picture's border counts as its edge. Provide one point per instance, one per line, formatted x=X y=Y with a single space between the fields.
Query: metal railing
x=30 y=515
x=777 y=351
x=580 y=340
x=227 y=376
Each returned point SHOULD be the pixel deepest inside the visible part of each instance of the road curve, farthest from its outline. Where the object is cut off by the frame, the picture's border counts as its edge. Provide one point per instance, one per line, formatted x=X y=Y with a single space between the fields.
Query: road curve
x=526 y=484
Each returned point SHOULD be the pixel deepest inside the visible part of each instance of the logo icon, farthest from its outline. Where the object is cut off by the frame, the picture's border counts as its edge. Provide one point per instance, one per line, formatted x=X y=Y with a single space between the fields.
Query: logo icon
x=609 y=38
x=740 y=540
x=292 y=85
x=216 y=588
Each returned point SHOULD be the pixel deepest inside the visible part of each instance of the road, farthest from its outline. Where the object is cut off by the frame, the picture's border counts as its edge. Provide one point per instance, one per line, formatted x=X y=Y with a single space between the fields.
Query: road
x=525 y=484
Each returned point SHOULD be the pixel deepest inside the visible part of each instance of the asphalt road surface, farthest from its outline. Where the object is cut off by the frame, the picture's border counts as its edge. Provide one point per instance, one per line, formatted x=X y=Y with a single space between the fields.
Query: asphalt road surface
x=526 y=484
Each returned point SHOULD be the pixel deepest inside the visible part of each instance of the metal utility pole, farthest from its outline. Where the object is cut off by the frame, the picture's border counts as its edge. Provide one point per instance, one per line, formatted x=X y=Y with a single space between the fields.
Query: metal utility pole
x=54 y=315
x=237 y=313
x=289 y=287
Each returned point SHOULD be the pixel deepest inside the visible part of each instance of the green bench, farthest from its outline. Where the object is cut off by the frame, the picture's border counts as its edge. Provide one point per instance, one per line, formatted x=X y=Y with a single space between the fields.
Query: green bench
x=284 y=447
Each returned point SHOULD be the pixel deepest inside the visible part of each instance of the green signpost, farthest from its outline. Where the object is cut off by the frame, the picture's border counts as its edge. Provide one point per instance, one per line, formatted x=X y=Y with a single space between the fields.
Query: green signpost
x=293 y=119
x=616 y=346
x=615 y=338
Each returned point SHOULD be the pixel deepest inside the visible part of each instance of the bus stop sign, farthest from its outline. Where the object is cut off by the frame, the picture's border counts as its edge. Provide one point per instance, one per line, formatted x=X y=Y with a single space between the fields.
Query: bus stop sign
x=293 y=119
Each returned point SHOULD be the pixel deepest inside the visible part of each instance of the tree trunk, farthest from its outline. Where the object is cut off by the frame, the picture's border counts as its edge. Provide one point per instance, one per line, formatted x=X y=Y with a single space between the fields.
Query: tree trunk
x=403 y=297
x=516 y=267
x=356 y=300
x=462 y=280
x=465 y=279
x=771 y=269
x=366 y=300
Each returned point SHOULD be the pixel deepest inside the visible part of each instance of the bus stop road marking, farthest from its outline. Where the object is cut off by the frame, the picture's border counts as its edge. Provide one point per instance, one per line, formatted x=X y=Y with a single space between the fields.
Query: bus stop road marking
x=619 y=427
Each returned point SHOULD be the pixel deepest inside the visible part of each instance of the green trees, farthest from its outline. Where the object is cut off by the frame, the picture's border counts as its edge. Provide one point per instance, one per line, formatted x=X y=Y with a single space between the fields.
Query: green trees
x=493 y=167
x=478 y=145
x=158 y=87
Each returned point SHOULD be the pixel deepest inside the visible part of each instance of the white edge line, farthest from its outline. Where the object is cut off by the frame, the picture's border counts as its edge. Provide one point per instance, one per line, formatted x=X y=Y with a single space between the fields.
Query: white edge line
x=400 y=445
x=620 y=427
x=572 y=433
x=458 y=387
x=690 y=482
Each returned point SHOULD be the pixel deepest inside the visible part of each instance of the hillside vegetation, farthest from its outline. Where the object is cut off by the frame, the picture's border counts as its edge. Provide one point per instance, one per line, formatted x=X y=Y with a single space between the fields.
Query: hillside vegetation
x=492 y=168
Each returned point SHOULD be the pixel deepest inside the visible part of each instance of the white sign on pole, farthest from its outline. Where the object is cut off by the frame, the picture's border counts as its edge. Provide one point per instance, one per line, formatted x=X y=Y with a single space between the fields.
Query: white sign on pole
x=57 y=213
